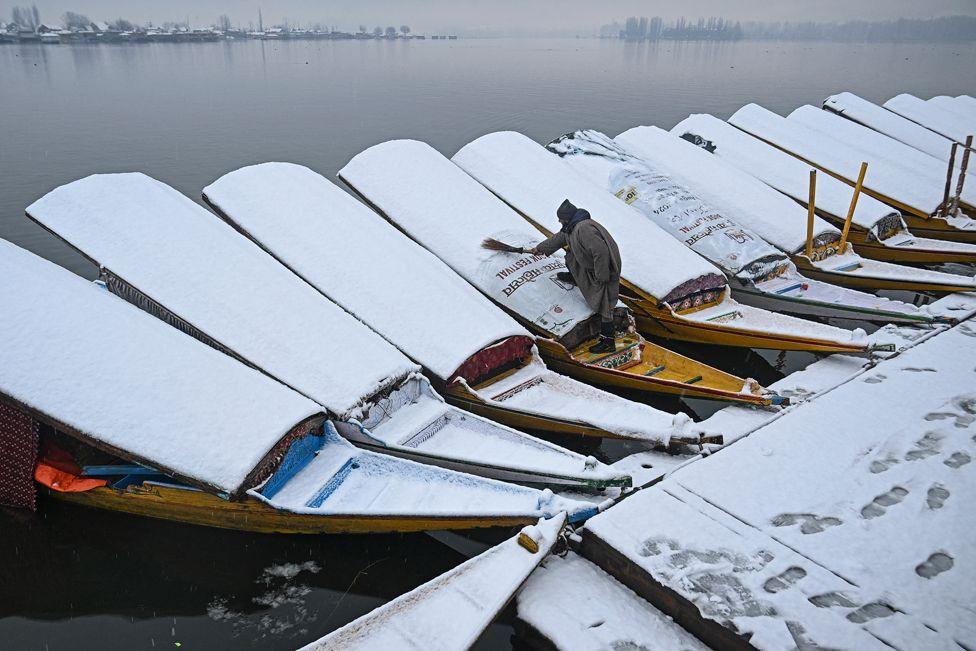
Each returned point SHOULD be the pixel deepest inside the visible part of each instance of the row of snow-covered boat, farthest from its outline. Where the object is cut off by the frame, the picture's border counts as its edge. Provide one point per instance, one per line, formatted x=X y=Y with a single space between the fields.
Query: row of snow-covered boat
x=387 y=325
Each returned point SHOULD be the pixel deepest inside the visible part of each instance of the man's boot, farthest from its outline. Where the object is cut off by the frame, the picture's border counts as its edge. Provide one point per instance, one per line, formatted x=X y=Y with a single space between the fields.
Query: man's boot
x=566 y=277
x=607 y=344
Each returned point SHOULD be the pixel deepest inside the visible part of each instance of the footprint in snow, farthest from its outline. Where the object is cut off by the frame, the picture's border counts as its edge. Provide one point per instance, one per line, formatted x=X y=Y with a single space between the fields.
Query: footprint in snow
x=935 y=565
x=876 y=379
x=936 y=497
x=809 y=523
x=784 y=580
x=957 y=460
x=832 y=600
x=929 y=444
x=873 y=610
x=880 y=465
x=912 y=369
x=879 y=505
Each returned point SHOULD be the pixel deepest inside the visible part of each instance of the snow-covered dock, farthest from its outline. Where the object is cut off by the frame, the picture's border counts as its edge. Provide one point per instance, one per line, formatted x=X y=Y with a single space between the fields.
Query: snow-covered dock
x=844 y=522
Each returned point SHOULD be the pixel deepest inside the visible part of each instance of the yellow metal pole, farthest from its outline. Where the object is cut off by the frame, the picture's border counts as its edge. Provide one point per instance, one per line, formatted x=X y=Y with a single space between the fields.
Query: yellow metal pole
x=811 y=209
x=850 y=211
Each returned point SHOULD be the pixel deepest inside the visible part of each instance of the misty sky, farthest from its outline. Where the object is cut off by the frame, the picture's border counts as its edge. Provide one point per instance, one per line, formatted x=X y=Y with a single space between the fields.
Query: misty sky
x=541 y=15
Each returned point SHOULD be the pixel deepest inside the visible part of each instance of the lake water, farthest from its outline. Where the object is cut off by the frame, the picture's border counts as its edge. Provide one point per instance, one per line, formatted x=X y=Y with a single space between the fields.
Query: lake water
x=187 y=114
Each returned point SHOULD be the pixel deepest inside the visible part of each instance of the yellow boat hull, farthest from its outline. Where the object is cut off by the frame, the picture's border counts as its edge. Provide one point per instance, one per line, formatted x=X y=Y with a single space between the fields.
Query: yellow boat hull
x=655 y=321
x=865 y=283
x=680 y=375
x=878 y=251
x=249 y=514
x=937 y=229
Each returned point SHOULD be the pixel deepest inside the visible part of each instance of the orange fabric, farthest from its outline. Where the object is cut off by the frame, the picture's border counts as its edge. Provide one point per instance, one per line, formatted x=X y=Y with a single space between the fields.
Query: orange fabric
x=62 y=481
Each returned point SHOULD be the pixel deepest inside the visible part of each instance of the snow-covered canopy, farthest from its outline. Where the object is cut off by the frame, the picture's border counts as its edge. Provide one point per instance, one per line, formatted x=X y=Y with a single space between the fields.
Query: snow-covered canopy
x=879 y=147
x=773 y=215
x=663 y=200
x=902 y=129
x=535 y=182
x=451 y=214
x=395 y=286
x=197 y=267
x=888 y=177
x=784 y=172
x=121 y=378
x=938 y=119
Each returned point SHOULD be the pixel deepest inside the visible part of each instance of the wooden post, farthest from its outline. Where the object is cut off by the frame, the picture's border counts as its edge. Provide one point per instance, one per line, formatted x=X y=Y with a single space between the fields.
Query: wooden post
x=850 y=211
x=811 y=211
x=962 y=174
x=948 y=186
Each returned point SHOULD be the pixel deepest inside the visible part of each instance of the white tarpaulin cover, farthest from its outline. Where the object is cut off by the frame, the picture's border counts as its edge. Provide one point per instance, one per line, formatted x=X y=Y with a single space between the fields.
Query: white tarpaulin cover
x=81 y=356
x=887 y=177
x=196 y=266
x=399 y=288
x=666 y=202
x=535 y=182
x=784 y=172
x=931 y=116
x=450 y=214
x=776 y=217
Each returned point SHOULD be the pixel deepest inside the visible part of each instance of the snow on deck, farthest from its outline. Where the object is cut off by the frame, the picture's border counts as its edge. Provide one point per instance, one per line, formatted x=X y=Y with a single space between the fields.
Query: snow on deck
x=535 y=182
x=773 y=215
x=956 y=105
x=888 y=177
x=579 y=607
x=879 y=147
x=199 y=268
x=890 y=123
x=395 y=286
x=785 y=173
x=79 y=355
x=846 y=522
x=930 y=116
x=451 y=611
x=451 y=214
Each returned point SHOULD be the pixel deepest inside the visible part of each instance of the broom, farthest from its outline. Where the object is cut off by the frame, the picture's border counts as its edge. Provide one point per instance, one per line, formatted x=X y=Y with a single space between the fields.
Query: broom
x=494 y=245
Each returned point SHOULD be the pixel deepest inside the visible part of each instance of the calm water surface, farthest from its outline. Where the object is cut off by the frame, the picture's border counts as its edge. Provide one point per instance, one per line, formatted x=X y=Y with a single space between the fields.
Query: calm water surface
x=186 y=114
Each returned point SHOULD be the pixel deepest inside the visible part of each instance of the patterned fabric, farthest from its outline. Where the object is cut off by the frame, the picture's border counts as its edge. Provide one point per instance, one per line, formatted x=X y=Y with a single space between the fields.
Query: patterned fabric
x=486 y=360
x=18 y=456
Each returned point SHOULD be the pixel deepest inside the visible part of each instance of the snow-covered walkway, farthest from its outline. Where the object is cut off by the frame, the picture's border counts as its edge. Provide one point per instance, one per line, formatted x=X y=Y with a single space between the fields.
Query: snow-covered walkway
x=845 y=522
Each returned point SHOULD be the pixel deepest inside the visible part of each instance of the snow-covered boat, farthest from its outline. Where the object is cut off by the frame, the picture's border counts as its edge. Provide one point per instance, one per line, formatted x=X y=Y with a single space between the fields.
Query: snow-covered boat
x=918 y=193
x=958 y=106
x=778 y=218
x=195 y=436
x=933 y=116
x=479 y=357
x=673 y=291
x=760 y=274
x=451 y=611
x=172 y=257
x=450 y=214
x=900 y=128
x=877 y=230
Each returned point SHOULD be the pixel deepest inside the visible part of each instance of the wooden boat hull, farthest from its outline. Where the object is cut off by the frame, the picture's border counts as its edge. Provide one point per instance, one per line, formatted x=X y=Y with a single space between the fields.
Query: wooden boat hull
x=656 y=322
x=522 y=420
x=775 y=303
x=192 y=506
x=937 y=229
x=875 y=250
x=854 y=281
x=711 y=384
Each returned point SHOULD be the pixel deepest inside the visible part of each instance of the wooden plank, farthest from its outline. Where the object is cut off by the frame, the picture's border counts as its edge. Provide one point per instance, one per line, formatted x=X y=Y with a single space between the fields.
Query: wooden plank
x=682 y=611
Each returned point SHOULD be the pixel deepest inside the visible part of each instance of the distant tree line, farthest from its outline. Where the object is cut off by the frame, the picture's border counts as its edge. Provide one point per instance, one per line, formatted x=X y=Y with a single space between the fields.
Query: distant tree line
x=949 y=28
x=682 y=29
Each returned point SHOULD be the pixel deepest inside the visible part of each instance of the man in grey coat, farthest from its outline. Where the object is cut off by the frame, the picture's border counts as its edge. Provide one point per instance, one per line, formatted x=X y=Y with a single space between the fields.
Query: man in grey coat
x=593 y=260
